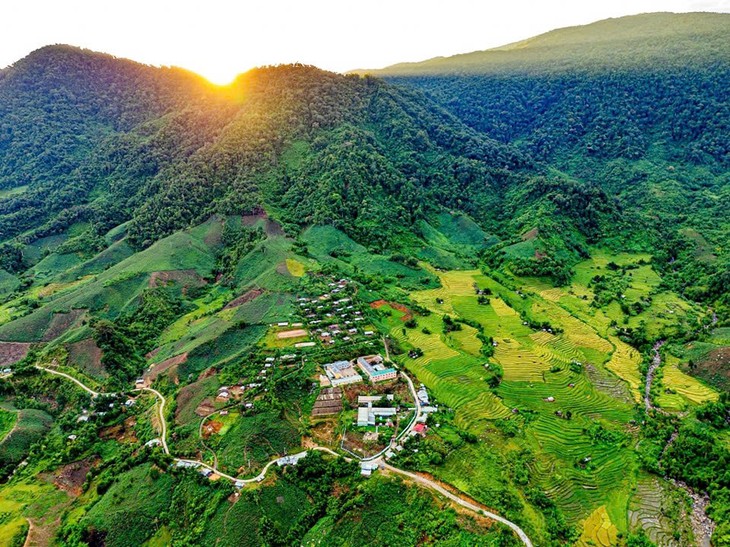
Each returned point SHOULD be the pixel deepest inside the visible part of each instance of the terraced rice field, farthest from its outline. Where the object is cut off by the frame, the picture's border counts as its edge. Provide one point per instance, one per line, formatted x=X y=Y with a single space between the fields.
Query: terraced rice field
x=598 y=530
x=520 y=364
x=646 y=511
x=595 y=491
x=466 y=340
x=591 y=481
x=624 y=363
x=686 y=388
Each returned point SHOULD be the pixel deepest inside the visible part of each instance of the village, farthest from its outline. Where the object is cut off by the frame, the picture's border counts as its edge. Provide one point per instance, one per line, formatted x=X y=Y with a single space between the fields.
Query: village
x=365 y=404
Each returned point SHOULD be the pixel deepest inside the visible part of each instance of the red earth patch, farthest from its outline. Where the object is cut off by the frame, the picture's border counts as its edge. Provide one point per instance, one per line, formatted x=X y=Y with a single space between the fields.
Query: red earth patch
x=408 y=313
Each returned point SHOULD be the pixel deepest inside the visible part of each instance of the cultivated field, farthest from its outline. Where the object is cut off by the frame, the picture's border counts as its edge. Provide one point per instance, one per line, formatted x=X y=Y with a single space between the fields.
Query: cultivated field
x=578 y=366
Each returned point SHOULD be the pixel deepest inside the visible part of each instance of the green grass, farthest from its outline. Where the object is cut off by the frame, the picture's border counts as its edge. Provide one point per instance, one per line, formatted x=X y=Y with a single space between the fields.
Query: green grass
x=128 y=510
x=20 y=500
x=8 y=192
x=235 y=524
x=252 y=441
x=30 y=427
x=189 y=397
x=230 y=344
x=267 y=308
x=33 y=252
x=114 y=254
x=394 y=513
x=8 y=420
x=323 y=241
x=8 y=282
x=523 y=249
x=117 y=287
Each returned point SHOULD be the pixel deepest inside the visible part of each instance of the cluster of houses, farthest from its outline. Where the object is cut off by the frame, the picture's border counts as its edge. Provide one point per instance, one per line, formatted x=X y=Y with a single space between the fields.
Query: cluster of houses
x=373 y=368
x=332 y=317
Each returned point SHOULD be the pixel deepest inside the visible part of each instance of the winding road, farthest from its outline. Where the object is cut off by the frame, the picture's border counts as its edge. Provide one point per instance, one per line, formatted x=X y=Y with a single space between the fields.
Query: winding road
x=419 y=479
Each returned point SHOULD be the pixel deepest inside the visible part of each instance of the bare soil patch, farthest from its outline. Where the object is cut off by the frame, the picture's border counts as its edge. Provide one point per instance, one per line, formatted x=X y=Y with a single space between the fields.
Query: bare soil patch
x=71 y=477
x=60 y=323
x=186 y=278
x=323 y=433
x=205 y=408
x=211 y=427
x=248 y=296
x=296 y=333
x=123 y=432
x=394 y=387
x=271 y=227
x=396 y=306
x=12 y=352
x=715 y=368
x=155 y=371
x=530 y=235
x=86 y=356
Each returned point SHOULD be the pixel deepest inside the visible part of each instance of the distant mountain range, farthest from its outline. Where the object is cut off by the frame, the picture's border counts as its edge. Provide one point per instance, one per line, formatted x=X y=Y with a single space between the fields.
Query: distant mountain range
x=650 y=40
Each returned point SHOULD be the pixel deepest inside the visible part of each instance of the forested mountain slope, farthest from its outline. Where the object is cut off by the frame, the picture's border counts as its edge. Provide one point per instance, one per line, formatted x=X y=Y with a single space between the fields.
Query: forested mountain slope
x=119 y=145
x=637 y=106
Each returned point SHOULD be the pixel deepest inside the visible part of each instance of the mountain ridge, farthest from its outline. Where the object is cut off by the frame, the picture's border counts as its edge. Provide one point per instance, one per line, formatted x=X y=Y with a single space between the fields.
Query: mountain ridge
x=636 y=40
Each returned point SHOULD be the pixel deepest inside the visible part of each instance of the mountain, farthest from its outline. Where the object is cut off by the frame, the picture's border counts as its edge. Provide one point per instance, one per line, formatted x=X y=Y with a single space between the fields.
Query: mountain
x=660 y=40
x=540 y=241
x=635 y=105
x=162 y=158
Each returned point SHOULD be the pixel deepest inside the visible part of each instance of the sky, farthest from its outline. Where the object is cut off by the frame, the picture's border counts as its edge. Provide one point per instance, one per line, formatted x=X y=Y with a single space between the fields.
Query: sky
x=222 y=38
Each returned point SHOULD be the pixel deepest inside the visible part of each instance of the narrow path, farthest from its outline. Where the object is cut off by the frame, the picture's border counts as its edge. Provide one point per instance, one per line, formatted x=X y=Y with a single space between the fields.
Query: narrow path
x=387 y=353
x=423 y=481
x=160 y=415
x=200 y=434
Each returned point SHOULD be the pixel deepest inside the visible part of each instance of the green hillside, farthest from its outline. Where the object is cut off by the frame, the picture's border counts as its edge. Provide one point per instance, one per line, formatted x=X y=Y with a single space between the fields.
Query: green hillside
x=635 y=107
x=659 y=40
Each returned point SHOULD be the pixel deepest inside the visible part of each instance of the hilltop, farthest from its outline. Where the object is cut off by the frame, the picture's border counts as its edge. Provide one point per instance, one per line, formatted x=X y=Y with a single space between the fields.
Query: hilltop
x=659 y=40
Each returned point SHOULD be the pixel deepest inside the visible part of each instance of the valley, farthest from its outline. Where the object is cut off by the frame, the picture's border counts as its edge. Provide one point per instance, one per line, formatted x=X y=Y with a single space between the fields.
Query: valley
x=478 y=300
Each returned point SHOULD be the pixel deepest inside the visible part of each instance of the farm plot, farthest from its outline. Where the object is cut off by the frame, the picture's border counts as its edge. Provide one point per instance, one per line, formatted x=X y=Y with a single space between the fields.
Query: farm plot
x=31 y=426
x=624 y=363
x=650 y=510
x=25 y=500
x=252 y=441
x=682 y=387
x=7 y=422
x=127 y=511
x=578 y=474
x=12 y=352
x=598 y=530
